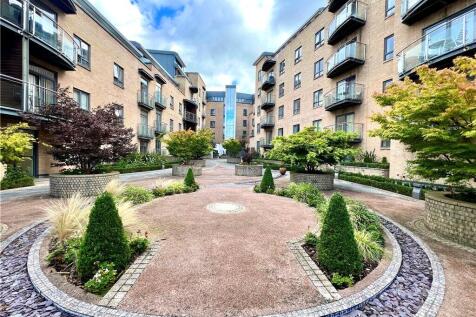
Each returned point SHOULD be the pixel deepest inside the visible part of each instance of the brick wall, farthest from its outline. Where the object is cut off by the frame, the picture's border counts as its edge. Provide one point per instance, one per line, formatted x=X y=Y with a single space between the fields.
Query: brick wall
x=321 y=181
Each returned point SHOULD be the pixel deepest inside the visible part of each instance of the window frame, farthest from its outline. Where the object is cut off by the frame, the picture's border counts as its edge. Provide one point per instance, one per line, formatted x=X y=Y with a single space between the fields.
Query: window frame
x=117 y=82
x=298 y=128
x=386 y=53
x=317 y=126
x=389 y=11
x=282 y=67
x=213 y=112
x=321 y=70
x=320 y=101
x=298 y=85
x=298 y=58
x=281 y=90
x=296 y=110
x=384 y=142
x=212 y=124
x=386 y=83
x=280 y=115
x=280 y=132
x=82 y=93
x=321 y=38
x=79 y=57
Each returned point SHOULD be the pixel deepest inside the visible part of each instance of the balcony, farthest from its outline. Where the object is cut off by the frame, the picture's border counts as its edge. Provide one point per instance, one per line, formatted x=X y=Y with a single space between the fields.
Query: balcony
x=144 y=101
x=50 y=42
x=161 y=128
x=194 y=102
x=266 y=143
x=267 y=102
x=351 y=17
x=145 y=131
x=267 y=122
x=190 y=117
x=345 y=95
x=159 y=101
x=414 y=10
x=334 y=5
x=356 y=128
x=14 y=91
x=440 y=46
x=347 y=57
x=268 y=83
x=268 y=64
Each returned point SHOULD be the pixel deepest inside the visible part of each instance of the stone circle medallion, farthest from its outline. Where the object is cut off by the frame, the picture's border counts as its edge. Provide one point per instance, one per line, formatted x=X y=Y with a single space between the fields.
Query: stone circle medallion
x=225 y=208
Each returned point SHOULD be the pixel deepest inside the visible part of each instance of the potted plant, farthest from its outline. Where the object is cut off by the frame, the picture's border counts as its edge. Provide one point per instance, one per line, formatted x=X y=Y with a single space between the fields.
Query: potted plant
x=189 y=147
x=233 y=148
x=81 y=140
x=247 y=168
x=282 y=170
x=311 y=153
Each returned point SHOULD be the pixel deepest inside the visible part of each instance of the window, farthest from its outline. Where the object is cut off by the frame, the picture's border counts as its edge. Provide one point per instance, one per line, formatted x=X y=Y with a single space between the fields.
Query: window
x=245 y=112
x=82 y=98
x=180 y=108
x=282 y=67
x=253 y=122
x=318 y=68
x=298 y=55
x=212 y=112
x=318 y=99
x=389 y=46
x=345 y=122
x=118 y=75
x=281 y=112
x=281 y=90
x=158 y=146
x=172 y=103
x=280 y=132
x=389 y=8
x=296 y=128
x=180 y=126
x=84 y=53
x=119 y=111
x=260 y=75
x=245 y=123
x=258 y=128
x=297 y=81
x=385 y=84
x=317 y=124
x=296 y=106
x=171 y=125
x=244 y=133
x=385 y=144
x=143 y=146
x=319 y=38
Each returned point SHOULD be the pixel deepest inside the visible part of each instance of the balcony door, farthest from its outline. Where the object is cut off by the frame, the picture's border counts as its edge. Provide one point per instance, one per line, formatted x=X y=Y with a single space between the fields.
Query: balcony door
x=41 y=91
x=158 y=118
x=144 y=90
x=345 y=88
x=345 y=122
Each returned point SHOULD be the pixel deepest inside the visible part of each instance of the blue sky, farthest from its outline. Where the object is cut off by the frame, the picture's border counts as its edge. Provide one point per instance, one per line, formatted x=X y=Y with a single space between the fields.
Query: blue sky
x=218 y=38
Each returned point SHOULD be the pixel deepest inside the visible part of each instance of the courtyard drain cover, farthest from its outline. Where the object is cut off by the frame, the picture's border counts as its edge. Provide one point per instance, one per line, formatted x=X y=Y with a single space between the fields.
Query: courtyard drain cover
x=225 y=208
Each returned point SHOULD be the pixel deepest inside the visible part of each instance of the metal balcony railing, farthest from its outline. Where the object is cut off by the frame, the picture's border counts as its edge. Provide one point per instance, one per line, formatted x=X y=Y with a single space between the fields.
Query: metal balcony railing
x=190 y=117
x=14 y=91
x=267 y=122
x=144 y=100
x=344 y=93
x=349 y=127
x=145 y=131
x=159 y=100
x=40 y=25
x=352 y=10
x=443 y=40
x=351 y=51
x=161 y=127
x=266 y=142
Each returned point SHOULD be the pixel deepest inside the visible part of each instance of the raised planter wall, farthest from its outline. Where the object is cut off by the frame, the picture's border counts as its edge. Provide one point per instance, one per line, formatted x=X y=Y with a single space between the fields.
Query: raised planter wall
x=248 y=170
x=233 y=160
x=65 y=186
x=370 y=171
x=181 y=170
x=453 y=219
x=321 y=181
x=199 y=163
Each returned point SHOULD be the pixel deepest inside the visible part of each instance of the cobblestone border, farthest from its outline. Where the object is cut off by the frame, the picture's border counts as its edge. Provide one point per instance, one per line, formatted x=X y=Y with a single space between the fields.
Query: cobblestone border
x=119 y=290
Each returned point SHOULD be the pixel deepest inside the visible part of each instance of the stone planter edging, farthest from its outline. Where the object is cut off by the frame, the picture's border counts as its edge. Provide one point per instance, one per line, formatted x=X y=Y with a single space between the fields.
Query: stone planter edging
x=248 y=170
x=323 y=181
x=64 y=186
x=452 y=219
x=181 y=170
x=199 y=163
x=233 y=160
x=370 y=171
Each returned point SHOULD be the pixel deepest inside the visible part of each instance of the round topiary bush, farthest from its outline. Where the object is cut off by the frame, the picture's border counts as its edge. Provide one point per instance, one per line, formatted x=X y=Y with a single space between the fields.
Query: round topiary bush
x=104 y=240
x=267 y=182
x=337 y=249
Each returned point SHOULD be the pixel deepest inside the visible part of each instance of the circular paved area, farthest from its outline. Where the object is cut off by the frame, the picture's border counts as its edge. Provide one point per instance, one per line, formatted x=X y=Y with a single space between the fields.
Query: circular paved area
x=213 y=264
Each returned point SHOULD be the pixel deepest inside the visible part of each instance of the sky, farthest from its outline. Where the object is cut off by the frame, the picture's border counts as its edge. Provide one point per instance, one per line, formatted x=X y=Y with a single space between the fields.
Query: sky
x=220 y=39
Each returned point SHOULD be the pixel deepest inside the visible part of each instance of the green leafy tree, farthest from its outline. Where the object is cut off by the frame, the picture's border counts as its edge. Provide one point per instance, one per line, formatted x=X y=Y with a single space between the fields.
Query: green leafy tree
x=189 y=180
x=14 y=142
x=188 y=145
x=309 y=148
x=104 y=240
x=337 y=249
x=434 y=118
x=232 y=147
x=267 y=182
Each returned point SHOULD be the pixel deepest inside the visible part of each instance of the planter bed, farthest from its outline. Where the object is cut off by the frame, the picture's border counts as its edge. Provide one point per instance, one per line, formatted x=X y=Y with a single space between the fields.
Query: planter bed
x=125 y=170
x=364 y=170
x=248 y=170
x=87 y=185
x=199 y=163
x=181 y=170
x=323 y=181
x=377 y=182
x=233 y=160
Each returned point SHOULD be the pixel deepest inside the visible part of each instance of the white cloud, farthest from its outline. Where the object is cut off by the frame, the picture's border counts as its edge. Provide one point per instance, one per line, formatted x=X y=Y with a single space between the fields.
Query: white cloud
x=220 y=39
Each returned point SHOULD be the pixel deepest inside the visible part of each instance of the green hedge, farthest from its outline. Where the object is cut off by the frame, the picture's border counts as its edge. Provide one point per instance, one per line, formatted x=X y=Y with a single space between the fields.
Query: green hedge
x=15 y=177
x=135 y=169
x=377 y=182
x=363 y=164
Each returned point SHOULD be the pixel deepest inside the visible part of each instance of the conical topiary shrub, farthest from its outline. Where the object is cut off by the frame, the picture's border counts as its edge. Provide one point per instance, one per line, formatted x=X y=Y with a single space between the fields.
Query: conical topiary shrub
x=104 y=240
x=337 y=249
x=189 y=180
x=267 y=182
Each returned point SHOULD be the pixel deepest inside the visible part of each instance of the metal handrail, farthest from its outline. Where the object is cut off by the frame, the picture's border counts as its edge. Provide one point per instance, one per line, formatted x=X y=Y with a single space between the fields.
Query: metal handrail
x=351 y=50
x=190 y=116
x=358 y=9
x=345 y=91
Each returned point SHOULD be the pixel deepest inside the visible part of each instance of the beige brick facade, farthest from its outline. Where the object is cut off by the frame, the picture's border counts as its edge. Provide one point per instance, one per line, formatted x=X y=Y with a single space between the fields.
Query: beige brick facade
x=371 y=74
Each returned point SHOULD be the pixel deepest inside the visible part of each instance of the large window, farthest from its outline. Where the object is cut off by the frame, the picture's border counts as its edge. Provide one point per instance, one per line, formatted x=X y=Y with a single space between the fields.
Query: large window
x=319 y=38
x=119 y=111
x=296 y=106
x=296 y=128
x=384 y=144
x=245 y=123
x=171 y=124
x=318 y=99
x=281 y=112
x=82 y=98
x=297 y=81
x=118 y=75
x=258 y=128
x=385 y=84
x=282 y=67
x=281 y=90
x=172 y=103
x=298 y=55
x=318 y=68
x=84 y=52
x=212 y=112
x=389 y=47
x=280 y=132
x=245 y=112
x=180 y=108
x=389 y=8
x=143 y=146
x=317 y=124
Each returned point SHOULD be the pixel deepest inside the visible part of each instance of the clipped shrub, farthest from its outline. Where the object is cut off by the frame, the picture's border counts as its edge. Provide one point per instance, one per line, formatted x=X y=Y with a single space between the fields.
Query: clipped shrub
x=341 y=282
x=267 y=182
x=310 y=238
x=337 y=249
x=369 y=248
x=306 y=193
x=104 y=240
x=15 y=177
x=138 y=245
x=189 y=180
x=102 y=280
x=137 y=195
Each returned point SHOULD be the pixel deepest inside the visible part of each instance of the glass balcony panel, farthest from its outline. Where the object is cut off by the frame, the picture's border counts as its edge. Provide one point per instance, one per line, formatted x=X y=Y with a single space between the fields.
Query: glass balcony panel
x=351 y=50
x=44 y=28
x=12 y=11
x=11 y=94
x=407 y=5
x=352 y=9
